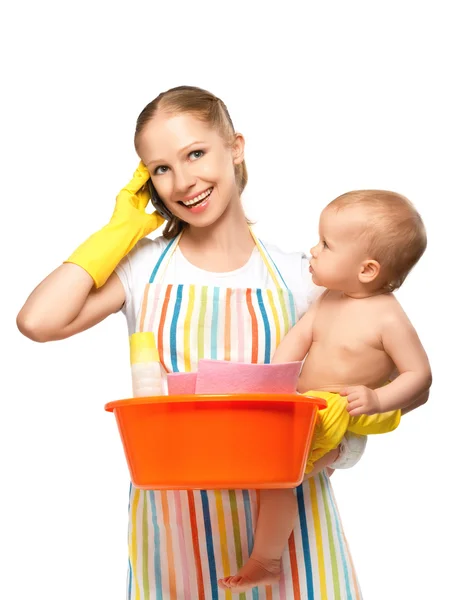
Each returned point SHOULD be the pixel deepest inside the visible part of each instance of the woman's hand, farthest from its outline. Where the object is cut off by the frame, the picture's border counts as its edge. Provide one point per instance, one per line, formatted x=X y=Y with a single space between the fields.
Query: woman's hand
x=324 y=462
x=100 y=253
x=132 y=201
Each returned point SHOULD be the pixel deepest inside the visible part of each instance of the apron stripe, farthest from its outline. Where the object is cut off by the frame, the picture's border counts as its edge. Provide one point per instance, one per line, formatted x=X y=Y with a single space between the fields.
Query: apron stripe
x=201 y=323
x=130 y=579
x=169 y=549
x=249 y=532
x=249 y=524
x=305 y=543
x=223 y=539
x=254 y=328
x=343 y=556
x=294 y=568
x=188 y=317
x=239 y=308
x=227 y=355
x=265 y=321
x=173 y=330
x=293 y=312
x=153 y=310
x=144 y=307
x=134 y=540
x=160 y=332
x=353 y=578
x=196 y=545
x=210 y=547
x=214 y=324
x=275 y=316
x=353 y=575
x=269 y=258
x=183 y=554
x=318 y=538
x=236 y=529
x=222 y=530
x=157 y=548
x=284 y=310
x=130 y=570
x=332 y=549
x=145 y=547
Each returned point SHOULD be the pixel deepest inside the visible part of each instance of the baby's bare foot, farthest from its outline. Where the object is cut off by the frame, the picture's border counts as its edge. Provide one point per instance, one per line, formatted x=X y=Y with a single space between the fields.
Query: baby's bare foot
x=255 y=572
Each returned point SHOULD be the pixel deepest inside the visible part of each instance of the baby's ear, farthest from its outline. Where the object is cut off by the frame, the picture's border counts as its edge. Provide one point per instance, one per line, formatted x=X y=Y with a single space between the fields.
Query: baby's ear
x=369 y=271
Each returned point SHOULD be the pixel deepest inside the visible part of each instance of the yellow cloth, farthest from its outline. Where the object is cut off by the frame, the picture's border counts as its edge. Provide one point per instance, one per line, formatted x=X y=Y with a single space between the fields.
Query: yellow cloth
x=333 y=422
x=101 y=252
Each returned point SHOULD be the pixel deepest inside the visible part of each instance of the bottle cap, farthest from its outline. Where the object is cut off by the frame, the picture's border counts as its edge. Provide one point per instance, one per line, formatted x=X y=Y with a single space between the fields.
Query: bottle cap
x=143 y=347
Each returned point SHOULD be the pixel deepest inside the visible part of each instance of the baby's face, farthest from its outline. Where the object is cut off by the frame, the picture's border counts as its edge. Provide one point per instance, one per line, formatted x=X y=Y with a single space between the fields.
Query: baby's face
x=337 y=258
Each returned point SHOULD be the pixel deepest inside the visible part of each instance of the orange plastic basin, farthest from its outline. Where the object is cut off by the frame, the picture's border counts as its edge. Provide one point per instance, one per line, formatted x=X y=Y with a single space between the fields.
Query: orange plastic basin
x=237 y=441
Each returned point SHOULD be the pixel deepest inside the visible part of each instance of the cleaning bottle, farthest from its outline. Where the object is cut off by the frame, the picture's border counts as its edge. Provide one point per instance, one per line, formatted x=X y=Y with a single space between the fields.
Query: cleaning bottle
x=146 y=372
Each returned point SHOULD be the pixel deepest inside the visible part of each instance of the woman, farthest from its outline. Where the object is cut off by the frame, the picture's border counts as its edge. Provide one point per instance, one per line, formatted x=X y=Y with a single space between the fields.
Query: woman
x=208 y=288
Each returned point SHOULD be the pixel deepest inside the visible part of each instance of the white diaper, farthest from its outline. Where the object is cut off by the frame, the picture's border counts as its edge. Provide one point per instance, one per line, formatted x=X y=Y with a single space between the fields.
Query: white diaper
x=351 y=450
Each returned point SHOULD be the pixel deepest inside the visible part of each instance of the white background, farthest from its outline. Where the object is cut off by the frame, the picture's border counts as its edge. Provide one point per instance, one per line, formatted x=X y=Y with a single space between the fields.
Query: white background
x=331 y=97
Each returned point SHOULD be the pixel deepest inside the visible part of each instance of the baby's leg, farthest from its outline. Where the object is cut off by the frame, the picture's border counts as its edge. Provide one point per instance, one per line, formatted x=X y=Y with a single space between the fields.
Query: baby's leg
x=277 y=514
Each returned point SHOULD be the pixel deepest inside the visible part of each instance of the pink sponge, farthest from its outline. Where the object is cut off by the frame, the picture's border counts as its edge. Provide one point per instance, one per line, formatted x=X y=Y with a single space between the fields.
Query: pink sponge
x=224 y=377
x=181 y=383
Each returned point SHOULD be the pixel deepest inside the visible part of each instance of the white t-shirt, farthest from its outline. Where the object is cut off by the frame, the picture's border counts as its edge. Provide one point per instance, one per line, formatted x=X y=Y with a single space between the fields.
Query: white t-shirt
x=135 y=270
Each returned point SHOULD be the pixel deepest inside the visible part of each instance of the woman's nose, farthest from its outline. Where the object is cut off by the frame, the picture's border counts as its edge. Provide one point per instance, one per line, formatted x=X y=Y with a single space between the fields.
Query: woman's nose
x=183 y=179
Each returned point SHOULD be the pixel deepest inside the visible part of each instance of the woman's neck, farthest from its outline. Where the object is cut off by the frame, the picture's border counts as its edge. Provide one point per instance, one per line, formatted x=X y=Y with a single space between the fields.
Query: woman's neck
x=223 y=246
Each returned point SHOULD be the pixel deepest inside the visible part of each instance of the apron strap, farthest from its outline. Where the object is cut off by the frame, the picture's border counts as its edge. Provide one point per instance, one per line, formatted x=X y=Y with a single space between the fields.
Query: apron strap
x=165 y=257
x=274 y=272
x=171 y=247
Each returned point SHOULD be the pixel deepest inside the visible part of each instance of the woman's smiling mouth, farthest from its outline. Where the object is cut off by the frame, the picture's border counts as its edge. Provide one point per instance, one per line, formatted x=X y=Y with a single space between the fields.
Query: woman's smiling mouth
x=196 y=200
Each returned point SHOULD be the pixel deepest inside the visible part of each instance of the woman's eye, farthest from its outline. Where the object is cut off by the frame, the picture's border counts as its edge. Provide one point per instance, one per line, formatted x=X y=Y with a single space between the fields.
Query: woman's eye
x=196 y=154
x=160 y=170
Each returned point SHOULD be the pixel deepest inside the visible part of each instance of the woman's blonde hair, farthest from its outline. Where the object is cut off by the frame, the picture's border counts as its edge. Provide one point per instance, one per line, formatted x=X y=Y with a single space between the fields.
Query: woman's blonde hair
x=205 y=106
x=394 y=232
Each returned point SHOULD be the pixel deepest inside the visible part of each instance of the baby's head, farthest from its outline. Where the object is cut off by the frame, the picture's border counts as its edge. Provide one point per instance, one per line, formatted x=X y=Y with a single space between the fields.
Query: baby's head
x=369 y=242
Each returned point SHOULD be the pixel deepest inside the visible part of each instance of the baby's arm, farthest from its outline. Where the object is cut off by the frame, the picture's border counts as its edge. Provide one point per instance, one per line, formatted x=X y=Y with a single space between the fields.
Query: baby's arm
x=402 y=344
x=298 y=340
x=400 y=341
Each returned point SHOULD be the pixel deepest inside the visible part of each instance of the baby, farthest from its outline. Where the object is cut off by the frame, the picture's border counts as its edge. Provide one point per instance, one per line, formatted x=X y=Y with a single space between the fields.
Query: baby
x=352 y=339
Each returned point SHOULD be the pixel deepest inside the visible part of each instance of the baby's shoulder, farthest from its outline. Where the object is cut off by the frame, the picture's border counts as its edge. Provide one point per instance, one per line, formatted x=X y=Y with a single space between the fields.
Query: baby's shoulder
x=388 y=310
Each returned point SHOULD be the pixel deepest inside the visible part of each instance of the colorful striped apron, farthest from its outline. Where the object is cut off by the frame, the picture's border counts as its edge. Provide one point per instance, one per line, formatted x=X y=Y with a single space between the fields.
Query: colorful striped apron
x=181 y=542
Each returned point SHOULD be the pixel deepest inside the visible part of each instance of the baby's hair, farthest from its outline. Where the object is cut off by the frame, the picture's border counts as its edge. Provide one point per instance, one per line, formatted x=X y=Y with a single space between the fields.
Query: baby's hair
x=394 y=231
x=205 y=106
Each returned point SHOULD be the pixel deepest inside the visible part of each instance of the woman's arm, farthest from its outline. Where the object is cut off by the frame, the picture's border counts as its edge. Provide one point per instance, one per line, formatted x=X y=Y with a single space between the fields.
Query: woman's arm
x=66 y=302
x=85 y=290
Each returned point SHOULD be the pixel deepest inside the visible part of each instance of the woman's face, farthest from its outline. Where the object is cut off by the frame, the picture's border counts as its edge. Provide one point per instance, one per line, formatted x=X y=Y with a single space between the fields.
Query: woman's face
x=191 y=167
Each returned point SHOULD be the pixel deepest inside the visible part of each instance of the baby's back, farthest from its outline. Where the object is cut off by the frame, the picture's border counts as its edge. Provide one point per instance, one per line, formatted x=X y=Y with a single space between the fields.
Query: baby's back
x=347 y=344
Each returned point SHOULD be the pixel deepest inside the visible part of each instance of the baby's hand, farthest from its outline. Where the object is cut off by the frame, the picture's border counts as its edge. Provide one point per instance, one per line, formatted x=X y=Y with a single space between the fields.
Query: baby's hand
x=361 y=400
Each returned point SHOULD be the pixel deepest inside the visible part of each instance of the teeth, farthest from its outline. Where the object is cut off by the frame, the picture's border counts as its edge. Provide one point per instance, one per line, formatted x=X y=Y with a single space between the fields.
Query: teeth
x=198 y=199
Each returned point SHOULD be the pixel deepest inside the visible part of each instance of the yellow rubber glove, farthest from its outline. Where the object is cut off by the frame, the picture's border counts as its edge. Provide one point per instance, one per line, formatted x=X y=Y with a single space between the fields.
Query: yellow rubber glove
x=101 y=252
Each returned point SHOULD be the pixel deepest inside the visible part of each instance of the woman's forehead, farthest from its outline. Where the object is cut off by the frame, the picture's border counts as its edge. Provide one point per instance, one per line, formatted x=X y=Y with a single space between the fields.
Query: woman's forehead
x=168 y=133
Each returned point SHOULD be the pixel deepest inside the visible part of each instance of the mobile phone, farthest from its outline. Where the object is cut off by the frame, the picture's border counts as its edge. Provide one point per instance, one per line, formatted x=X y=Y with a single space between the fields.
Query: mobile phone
x=157 y=203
